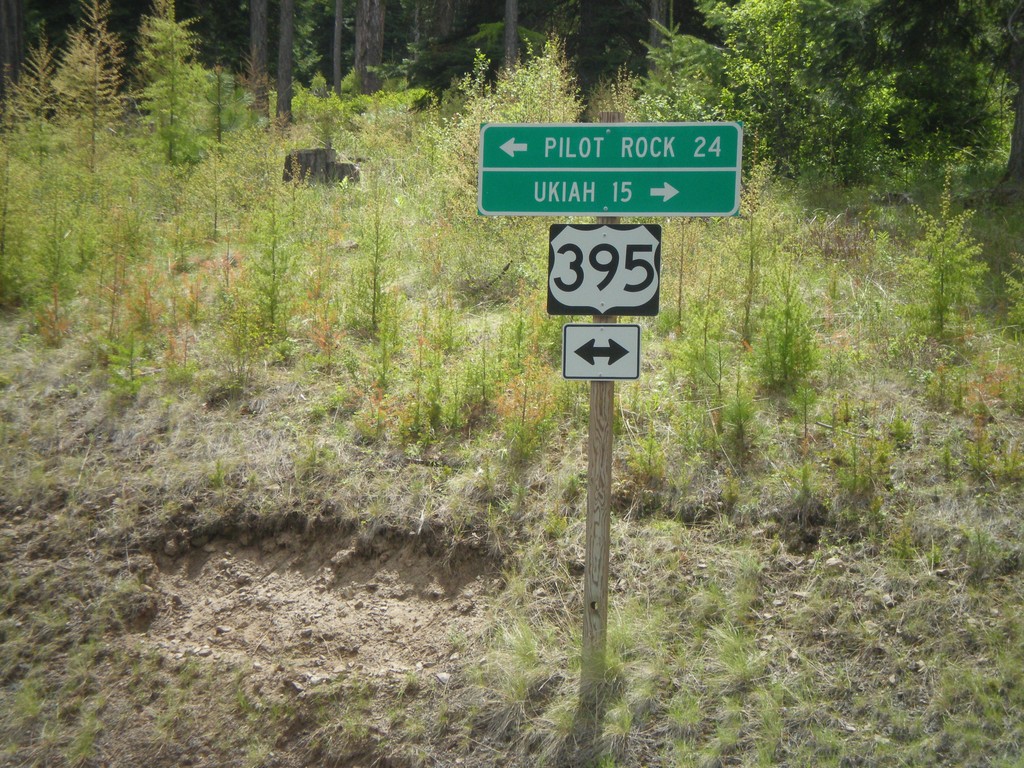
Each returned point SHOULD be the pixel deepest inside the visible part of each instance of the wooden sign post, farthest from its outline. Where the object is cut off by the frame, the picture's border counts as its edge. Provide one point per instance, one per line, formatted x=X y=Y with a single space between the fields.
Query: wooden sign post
x=599 y=509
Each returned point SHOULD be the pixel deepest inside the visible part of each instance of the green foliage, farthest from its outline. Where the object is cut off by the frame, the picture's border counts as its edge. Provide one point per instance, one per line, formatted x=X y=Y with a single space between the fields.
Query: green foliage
x=438 y=64
x=242 y=337
x=121 y=257
x=33 y=102
x=787 y=352
x=371 y=301
x=323 y=110
x=934 y=68
x=227 y=105
x=270 y=270
x=647 y=461
x=831 y=88
x=804 y=108
x=863 y=465
x=329 y=114
x=527 y=411
x=943 y=273
x=124 y=361
x=55 y=276
x=173 y=84
x=323 y=304
x=89 y=78
x=739 y=421
x=1015 y=292
x=705 y=352
x=13 y=277
x=540 y=90
x=665 y=95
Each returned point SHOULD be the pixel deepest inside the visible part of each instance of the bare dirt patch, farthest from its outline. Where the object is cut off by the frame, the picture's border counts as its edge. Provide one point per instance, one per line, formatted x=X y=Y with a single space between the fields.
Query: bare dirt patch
x=308 y=613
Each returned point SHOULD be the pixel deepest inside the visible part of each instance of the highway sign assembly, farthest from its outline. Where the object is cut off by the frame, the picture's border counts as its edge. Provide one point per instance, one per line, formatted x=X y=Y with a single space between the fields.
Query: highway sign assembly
x=604 y=269
x=601 y=351
x=609 y=169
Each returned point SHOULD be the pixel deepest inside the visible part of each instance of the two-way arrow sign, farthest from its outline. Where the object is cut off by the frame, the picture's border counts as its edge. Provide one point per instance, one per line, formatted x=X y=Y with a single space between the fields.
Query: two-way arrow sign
x=600 y=351
x=590 y=351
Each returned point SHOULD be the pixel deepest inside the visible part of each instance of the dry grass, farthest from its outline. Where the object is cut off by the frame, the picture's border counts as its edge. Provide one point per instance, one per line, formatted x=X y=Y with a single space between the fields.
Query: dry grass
x=817 y=569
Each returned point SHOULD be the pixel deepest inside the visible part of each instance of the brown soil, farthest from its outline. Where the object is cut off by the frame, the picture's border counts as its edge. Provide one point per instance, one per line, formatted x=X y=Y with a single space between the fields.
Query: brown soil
x=303 y=614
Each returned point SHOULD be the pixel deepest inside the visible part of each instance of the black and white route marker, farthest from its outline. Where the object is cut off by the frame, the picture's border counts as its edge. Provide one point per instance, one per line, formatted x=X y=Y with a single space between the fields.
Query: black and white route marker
x=601 y=351
x=604 y=269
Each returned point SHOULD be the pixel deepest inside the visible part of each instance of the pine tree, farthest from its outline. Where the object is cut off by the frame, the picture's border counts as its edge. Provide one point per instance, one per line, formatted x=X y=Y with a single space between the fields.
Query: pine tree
x=34 y=98
x=174 y=83
x=9 y=266
x=226 y=104
x=89 y=78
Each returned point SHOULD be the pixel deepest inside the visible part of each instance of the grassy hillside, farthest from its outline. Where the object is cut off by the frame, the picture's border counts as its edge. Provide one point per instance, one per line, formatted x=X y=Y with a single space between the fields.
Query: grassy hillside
x=290 y=475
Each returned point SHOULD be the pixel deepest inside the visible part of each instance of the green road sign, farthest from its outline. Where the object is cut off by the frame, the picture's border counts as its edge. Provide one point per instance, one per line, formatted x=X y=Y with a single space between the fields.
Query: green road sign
x=610 y=169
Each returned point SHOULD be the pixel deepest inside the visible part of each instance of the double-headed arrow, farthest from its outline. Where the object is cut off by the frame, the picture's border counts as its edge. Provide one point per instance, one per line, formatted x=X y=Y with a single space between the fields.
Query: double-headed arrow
x=590 y=351
x=620 y=347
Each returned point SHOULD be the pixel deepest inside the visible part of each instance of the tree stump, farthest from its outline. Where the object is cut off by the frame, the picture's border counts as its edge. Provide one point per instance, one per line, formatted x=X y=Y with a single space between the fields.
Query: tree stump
x=318 y=166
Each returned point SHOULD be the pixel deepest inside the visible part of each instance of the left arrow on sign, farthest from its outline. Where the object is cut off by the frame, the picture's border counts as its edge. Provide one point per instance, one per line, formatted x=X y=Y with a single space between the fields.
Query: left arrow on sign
x=512 y=146
x=614 y=351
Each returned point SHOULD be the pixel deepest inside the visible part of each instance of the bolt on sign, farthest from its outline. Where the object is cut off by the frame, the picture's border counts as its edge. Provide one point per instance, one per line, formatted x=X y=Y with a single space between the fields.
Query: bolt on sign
x=609 y=169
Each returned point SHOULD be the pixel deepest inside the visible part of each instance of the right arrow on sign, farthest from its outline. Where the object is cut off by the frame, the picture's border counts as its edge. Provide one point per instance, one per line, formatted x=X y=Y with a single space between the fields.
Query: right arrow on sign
x=666 y=192
x=614 y=351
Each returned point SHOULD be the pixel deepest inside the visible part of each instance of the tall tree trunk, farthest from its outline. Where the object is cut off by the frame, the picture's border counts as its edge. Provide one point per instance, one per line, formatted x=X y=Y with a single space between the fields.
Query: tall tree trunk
x=1015 y=167
x=511 y=33
x=339 y=19
x=444 y=18
x=658 y=14
x=12 y=44
x=284 y=61
x=258 y=54
x=369 y=43
x=589 y=42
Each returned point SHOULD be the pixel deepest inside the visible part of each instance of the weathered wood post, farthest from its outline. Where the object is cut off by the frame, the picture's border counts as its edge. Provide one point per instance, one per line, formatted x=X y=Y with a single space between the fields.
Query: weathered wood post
x=598 y=534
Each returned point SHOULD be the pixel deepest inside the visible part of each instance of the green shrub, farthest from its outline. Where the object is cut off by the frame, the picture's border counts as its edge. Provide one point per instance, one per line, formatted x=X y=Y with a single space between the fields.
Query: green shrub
x=542 y=90
x=1015 y=291
x=943 y=274
x=13 y=264
x=739 y=421
x=788 y=352
x=370 y=299
x=329 y=114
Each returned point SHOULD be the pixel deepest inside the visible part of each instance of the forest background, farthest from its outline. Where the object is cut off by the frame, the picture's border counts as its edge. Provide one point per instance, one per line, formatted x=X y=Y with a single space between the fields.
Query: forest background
x=870 y=83
x=221 y=388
